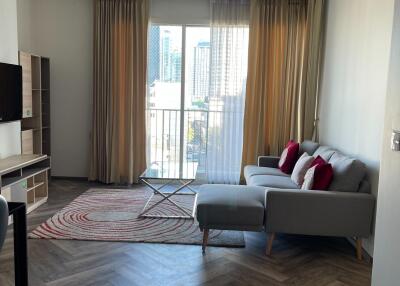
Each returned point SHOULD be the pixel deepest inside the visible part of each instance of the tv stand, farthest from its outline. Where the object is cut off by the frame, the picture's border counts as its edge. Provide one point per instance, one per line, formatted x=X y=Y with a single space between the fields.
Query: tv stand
x=24 y=178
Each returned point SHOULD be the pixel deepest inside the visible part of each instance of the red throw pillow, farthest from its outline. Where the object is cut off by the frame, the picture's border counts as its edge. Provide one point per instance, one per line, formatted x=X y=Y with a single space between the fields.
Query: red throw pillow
x=322 y=177
x=319 y=176
x=318 y=161
x=289 y=157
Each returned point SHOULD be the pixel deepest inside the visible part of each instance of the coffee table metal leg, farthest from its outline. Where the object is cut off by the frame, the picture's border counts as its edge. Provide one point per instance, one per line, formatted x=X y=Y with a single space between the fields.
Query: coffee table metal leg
x=189 y=187
x=160 y=187
x=194 y=206
x=167 y=196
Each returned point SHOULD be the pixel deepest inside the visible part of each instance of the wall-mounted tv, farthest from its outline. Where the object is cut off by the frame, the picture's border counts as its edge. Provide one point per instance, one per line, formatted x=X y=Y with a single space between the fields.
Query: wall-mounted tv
x=10 y=92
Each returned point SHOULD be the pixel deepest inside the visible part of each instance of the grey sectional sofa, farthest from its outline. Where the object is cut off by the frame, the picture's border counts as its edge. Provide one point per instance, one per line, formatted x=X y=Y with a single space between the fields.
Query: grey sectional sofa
x=345 y=210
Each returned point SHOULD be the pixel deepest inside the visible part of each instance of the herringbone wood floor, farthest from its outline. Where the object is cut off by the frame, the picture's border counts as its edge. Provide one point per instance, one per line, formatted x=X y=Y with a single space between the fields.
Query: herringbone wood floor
x=296 y=260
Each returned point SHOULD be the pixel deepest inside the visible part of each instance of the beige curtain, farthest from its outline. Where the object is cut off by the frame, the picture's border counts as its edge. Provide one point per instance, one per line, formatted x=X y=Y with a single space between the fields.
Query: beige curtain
x=285 y=46
x=118 y=143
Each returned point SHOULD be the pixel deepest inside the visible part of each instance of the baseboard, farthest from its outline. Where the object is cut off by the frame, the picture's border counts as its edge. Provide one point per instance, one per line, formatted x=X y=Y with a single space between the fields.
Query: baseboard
x=70 y=178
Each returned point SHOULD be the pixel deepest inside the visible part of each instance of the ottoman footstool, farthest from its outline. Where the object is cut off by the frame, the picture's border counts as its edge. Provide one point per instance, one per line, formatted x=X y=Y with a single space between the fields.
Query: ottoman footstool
x=229 y=207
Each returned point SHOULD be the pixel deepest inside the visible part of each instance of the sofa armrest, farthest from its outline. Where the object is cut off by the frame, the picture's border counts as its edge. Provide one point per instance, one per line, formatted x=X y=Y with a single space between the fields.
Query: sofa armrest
x=319 y=212
x=268 y=161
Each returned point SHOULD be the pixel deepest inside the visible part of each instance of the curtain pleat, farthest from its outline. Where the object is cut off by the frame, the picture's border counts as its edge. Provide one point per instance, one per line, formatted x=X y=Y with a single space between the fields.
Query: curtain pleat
x=120 y=57
x=285 y=46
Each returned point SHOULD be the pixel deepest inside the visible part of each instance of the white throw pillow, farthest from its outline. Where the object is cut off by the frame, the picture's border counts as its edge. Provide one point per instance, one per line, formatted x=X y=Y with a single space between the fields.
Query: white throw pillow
x=283 y=157
x=309 y=179
x=301 y=167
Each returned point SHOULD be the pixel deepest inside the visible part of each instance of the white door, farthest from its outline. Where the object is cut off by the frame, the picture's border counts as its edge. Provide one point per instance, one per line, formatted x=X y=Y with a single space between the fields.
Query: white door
x=386 y=267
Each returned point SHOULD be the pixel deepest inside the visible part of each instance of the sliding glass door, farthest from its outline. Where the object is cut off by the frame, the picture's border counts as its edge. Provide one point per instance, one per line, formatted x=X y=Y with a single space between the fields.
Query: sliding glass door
x=164 y=97
x=178 y=76
x=187 y=100
x=197 y=78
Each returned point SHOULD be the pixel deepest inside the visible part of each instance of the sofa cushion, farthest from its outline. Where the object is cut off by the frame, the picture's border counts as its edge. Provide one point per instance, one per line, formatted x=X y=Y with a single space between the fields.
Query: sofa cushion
x=301 y=168
x=272 y=182
x=308 y=146
x=325 y=152
x=347 y=173
x=251 y=170
x=230 y=207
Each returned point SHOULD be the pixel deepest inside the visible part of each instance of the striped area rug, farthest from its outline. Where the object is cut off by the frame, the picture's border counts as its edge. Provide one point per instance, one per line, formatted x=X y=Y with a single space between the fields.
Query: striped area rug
x=112 y=215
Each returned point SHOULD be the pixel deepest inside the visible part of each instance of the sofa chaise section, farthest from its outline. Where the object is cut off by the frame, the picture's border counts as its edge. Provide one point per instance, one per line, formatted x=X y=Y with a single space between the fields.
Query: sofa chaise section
x=323 y=213
x=339 y=213
x=228 y=207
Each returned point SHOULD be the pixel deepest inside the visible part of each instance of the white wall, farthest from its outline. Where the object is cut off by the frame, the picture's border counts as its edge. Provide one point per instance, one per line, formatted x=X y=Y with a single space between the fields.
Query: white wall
x=354 y=80
x=8 y=32
x=62 y=31
x=387 y=252
x=25 y=36
x=10 y=140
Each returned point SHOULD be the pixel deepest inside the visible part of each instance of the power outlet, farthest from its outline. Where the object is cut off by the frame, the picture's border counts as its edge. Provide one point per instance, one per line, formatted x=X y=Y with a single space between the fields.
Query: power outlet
x=395 y=140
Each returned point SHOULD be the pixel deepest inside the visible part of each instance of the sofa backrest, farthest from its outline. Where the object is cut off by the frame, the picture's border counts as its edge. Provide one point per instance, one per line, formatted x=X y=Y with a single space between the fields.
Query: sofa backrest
x=365 y=187
x=325 y=152
x=348 y=173
x=308 y=146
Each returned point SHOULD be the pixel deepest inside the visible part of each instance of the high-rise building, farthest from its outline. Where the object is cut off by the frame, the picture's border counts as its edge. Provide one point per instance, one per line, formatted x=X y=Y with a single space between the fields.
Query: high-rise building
x=176 y=66
x=165 y=49
x=201 y=71
x=171 y=59
x=154 y=55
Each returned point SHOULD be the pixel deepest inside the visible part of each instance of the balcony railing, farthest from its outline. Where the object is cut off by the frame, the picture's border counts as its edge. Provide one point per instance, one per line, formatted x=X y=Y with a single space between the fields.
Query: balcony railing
x=168 y=148
x=203 y=133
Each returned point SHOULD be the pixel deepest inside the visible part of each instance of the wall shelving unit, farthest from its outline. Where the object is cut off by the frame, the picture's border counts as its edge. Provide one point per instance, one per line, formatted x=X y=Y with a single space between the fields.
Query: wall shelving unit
x=35 y=124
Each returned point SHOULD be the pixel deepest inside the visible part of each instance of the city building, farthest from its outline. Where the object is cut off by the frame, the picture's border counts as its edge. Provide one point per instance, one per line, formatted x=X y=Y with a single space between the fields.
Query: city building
x=201 y=71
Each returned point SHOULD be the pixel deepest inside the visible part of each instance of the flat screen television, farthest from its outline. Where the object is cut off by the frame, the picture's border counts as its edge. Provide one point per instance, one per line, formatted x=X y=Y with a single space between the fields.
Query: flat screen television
x=10 y=92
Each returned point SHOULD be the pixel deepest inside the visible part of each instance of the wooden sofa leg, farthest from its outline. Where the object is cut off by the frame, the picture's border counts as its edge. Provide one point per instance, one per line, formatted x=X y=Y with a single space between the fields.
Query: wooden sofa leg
x=270 y=240
x=205 y=240
x=359 y=248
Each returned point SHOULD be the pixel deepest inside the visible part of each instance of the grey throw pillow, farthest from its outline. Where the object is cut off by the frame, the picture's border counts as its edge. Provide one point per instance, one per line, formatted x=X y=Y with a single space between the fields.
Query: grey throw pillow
x=308 y=146
x=347 y=173
x=301 y=167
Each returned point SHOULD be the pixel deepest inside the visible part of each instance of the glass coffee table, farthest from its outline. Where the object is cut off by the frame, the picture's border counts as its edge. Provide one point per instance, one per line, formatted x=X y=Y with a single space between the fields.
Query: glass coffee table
x=168 y=176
